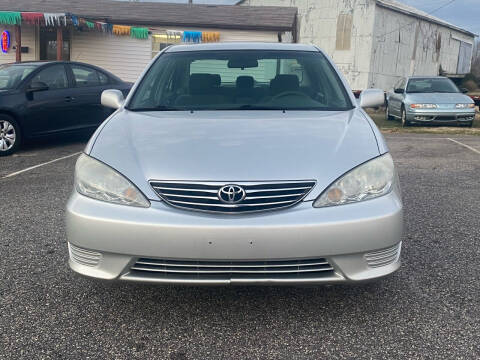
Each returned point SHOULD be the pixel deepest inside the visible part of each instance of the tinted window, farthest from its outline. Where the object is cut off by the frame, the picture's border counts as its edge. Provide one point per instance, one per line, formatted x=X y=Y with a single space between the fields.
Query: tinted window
x=232 y=80
x=431 y=85
x=85 y=76
x=104 y=80
x=54 y=76
x=12 y=75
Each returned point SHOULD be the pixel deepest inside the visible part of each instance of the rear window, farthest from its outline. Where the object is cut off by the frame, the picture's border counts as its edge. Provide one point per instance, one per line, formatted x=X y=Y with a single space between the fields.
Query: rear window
x=233 y=80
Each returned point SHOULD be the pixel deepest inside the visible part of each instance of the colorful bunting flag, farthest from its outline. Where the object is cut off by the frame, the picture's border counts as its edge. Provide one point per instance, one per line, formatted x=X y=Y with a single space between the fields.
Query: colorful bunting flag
x=10 y=18
x=192 y=36
x=33 y=18
x=121 y=29
x=139 y=32
x=210 y=36
x=55 y=19
x=89 y=24
x=60 y=19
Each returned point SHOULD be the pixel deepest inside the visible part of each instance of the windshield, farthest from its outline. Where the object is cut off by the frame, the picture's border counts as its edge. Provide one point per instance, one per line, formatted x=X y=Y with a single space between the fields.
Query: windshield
x=11 y=75
x=431 y=85
x=235 y=80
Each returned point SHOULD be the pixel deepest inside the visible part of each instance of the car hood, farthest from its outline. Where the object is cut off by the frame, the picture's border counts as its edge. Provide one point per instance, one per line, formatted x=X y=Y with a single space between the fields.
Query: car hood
x=235 y=146
x=438 y=98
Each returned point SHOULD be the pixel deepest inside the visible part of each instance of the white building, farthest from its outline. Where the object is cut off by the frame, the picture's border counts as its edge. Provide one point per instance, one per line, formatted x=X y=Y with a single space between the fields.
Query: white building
x=375 y=42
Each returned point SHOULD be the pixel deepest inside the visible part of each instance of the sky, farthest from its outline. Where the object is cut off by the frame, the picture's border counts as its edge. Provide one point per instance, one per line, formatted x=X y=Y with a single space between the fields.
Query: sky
x=463 y=13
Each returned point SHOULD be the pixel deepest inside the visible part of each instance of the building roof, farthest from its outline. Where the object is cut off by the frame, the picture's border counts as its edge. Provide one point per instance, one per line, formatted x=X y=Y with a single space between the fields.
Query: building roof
x=274 y=18
x=242 y=46
x=409 y=10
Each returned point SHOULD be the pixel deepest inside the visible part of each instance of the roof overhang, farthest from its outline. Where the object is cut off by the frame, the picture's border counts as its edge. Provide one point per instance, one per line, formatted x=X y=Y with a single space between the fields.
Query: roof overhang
x=267 y=18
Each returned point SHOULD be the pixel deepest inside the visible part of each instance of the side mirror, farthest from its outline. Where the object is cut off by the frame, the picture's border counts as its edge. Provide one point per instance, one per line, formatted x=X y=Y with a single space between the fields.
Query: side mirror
x=464 y=90
x=37 y=86
x=112 y=99
x=399 y=91
x=372 y=98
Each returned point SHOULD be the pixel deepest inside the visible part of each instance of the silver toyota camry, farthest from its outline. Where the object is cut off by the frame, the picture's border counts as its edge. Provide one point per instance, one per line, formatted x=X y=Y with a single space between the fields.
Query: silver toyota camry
x=246 y=163
x=434 y=99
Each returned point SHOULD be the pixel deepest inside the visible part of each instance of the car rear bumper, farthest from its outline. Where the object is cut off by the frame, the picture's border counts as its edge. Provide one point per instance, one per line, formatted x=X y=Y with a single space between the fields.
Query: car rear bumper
x=301 y=245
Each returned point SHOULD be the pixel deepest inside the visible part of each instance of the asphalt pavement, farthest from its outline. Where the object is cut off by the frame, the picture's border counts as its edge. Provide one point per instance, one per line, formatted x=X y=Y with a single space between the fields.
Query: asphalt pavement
x=430 y=309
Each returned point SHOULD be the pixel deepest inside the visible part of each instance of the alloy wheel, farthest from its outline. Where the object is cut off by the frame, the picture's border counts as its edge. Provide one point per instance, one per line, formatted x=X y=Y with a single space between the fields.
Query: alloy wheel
x=8 y=135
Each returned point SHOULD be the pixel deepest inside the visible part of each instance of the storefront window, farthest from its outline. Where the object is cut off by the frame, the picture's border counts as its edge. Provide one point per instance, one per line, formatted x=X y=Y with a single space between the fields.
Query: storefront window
x=48 y=44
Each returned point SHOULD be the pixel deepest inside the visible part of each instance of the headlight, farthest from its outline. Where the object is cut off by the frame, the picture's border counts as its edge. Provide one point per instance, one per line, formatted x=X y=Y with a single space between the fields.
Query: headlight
x=465 y=106
x=373 y=179
x=99 y=181
x=423 y=106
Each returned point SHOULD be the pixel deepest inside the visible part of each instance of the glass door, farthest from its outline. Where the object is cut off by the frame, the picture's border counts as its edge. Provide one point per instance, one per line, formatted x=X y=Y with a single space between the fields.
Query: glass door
x=48 y=44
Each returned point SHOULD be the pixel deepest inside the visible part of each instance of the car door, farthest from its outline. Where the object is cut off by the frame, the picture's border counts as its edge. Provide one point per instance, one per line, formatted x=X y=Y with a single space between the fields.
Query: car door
x=396 y=99
x=48 y=107
x=89 y=83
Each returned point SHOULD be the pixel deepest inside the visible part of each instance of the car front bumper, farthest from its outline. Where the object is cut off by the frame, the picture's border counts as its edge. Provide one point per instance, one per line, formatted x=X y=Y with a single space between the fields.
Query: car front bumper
x=360 y=242
x=440 y=116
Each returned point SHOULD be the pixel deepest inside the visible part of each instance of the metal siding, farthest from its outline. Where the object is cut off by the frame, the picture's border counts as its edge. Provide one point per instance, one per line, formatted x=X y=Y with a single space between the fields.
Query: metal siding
x=317 y=24
x=464 y=58
x=405 y=45
x=122 y=55
x=127 y=57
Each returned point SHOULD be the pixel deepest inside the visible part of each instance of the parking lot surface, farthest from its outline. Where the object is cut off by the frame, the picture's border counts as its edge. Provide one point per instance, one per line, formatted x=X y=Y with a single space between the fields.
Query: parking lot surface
x=430 y=309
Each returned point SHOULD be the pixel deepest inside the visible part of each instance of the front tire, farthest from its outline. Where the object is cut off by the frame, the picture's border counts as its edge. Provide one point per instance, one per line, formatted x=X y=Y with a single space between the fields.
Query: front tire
x=10 y=135
x=405 y=122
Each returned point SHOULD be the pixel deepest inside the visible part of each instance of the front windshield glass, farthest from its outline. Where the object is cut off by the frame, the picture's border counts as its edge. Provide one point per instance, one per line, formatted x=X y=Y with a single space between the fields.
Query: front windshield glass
x=431 y=85
x=235 y=80
x=11 y=75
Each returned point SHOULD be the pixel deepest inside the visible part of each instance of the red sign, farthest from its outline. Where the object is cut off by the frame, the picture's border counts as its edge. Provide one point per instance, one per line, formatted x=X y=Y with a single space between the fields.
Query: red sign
x=5 y=41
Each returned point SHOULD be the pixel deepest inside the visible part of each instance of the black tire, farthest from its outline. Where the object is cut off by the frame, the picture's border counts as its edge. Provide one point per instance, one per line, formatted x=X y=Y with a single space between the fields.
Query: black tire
x=10 y=135
x=469 y=124
x=404 y=120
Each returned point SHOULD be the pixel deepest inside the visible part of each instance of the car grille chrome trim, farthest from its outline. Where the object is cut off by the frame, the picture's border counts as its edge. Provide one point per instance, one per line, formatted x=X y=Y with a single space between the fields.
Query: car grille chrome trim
x=383 y=257
x=83 y=256
x=230 y=269
x=260 y=196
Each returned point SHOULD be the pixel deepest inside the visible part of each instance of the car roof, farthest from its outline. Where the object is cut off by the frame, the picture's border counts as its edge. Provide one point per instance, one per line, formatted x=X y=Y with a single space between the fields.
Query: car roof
x=40 y=63
x=242 y=46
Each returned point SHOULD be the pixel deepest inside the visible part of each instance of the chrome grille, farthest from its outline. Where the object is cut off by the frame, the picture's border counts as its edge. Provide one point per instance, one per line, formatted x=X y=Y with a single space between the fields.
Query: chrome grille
x=188 y=269
x=84 y=257
x=384 y=257
x=259 y=196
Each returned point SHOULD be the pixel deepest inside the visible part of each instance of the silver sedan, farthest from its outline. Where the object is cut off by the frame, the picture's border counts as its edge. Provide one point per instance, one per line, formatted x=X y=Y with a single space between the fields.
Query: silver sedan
x=237 y=164
x=429 y=100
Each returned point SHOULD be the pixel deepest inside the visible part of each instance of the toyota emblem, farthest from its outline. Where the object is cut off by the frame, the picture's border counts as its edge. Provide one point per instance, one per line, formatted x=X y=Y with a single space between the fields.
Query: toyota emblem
x=231 y=194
